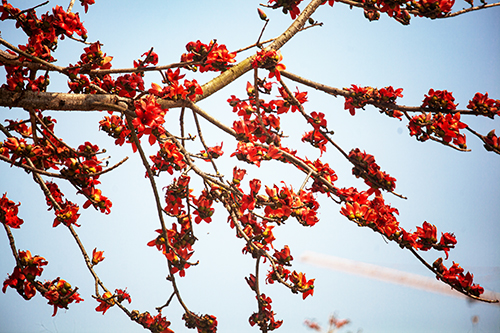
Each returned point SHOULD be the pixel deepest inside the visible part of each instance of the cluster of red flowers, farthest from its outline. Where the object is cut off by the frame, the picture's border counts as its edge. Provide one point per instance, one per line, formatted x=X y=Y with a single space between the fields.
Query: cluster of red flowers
x=92 y=58
x=445 y=127
x=425 y=238
x=177 y=245
x=374 y=213
x=60 y=294
x=157 y=323
x=211 y=57
x=398 y=9
x=279 y=272
x=253 y=126
x=250 y=153
x=284 y=202
x=455 y=277
x=323 y=170
x=43 y=37
x=283 y=105
x=279 y=204
x=18 y=75
x=484 y=105
x=108 y=300
x=128 y=84
x=439 y=100
x=23 y=279
x=213 y=153
x=151 y=59
x=43 y=155
x=68 y=214
x=43 y=32
x=78 y=166
x=178 y=190
x=258 y=127
x=149 y=118
x=316 y=139
x=204 y=324
x=380 y=217
x=360 y=96
x=204 y=210
x=492 y=142
x=265 y=317
x=89 y=165
x=262 y=126
x=24 y=276
x=270 y=60
x=174 y=90
x=168 y=158
x=116 y=128
x=125 y=85
x=432 y=8
x=366 y=168
x=8 y=212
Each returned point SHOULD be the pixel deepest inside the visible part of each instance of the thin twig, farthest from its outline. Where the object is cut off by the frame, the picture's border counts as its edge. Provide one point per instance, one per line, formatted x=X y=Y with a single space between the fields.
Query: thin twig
x=345 y=93
x=12 y=244
x=467 y=10
x=200 y=134
x=305 y=182
x=14 y=17
x=159 y=308
x=426 y=264
x=149 y=173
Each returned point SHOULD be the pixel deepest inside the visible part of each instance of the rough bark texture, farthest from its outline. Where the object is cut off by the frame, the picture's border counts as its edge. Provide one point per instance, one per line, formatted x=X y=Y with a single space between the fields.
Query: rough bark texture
x=71 y=102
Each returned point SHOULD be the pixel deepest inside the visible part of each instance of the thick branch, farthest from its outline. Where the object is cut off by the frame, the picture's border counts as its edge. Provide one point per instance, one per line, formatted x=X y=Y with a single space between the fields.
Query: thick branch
x=72 y=102
x=244 y=66
x=59 y=101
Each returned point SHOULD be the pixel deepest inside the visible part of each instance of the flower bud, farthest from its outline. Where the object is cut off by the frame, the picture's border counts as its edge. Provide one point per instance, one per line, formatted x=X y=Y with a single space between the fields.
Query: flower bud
x=262 y=15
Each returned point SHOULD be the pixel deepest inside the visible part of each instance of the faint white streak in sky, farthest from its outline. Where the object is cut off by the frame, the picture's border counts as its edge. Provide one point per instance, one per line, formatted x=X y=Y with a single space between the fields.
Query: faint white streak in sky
x=386 y=274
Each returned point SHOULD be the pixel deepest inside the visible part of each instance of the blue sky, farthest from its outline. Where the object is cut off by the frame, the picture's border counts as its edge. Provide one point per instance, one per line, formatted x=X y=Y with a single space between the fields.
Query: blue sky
x=455 y=191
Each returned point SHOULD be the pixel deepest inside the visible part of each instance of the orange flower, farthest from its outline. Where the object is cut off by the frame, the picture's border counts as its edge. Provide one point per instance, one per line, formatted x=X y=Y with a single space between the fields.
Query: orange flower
x=8 y=212
x=105 y=302
x=97 y=256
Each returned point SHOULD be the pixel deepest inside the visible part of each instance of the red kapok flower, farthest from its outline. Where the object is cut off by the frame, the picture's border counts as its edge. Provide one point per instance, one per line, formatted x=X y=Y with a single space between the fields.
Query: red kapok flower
x=97 y=256
x=86 y=4
x=8 y=212
x=439 y=99
x=105 y=302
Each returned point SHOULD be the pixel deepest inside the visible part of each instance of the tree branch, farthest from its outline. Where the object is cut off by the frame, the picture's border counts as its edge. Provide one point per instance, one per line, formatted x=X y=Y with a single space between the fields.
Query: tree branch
x=244 y=66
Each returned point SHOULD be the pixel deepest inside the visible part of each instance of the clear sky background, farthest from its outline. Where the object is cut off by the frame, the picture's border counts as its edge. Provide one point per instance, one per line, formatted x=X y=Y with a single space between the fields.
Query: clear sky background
x=456 y=191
